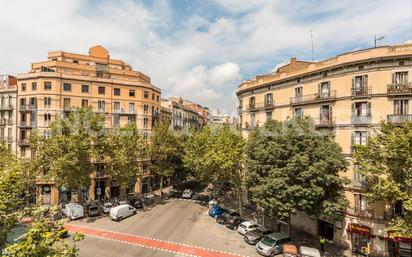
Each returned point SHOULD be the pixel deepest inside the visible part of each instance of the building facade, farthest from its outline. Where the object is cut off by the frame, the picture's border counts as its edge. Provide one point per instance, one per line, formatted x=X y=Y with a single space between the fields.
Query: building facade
x=67 y=80
x=183 y=117
x=8 y=110
x=349 y=95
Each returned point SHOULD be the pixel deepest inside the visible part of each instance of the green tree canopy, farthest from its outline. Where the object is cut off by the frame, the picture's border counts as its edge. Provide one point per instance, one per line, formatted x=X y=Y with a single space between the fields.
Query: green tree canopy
x=291 y=167
x=386 y=163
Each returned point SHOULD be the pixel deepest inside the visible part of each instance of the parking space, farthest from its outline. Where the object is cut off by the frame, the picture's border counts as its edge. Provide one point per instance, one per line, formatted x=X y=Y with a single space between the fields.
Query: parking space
x=177 y=227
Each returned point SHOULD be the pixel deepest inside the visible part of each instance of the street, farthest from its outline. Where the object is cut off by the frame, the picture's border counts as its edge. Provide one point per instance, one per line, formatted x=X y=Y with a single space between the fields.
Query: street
x=176 y=228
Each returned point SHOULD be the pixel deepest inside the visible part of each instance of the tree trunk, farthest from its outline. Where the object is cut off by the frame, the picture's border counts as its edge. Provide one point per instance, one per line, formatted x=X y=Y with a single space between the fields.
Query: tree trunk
x=289 y=225
x=239 y=195
x=161 y=186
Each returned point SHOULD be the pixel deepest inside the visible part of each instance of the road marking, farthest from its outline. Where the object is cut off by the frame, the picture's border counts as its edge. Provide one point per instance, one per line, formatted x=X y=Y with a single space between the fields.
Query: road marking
x=151 y=243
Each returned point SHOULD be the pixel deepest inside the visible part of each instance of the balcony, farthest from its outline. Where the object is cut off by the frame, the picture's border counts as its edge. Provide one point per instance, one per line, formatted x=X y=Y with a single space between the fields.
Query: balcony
x=313 y=98
x=23 y=142
x=400 y=89
x=363 y=91
x=28 y=124
x=5 y=121
x=32 y=106
x=325 y=122
x=397 y=119
x=261 y=106
x=367 y=214
x=361 y=116
x=24 y=107
x=124 y=112
x=5 y=107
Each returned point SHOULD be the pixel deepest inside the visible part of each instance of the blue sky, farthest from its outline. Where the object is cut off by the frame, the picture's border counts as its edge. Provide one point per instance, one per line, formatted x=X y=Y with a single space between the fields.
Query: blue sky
x=200 y=50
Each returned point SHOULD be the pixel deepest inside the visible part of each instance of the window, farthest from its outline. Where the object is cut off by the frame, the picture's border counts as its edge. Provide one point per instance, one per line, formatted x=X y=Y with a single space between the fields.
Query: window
x=269 y=99
x=145 y=109
x=146 y=94
x=23 y=87
x=101 y=90
x=23 y=117
x=325 y=112
x=360 y=84
x=268 y=116
x=145 y=123
x=400 y=107
x=132 y=93
x=116 y=105
x=2 y=133
x=360 y=137
x=47 y=101
x=298 y=91
x=251 y=102
x=400 y=77
x=131 y=107
x=47 y=86
x=23 y=102
x=66 y=103
x=34 y=86
x=85 y=88
x=361 y=109
x=360 y=203
x=324 y=89
x=67 y=87
x=116 y=120
x=131 y=119
x=116 y=91
x=101 y=105
x=252 y=120
x=47 y=117
x=33 y=102
x=75 y=61
x=85 y=103
x=298 y=112
x=157 y=98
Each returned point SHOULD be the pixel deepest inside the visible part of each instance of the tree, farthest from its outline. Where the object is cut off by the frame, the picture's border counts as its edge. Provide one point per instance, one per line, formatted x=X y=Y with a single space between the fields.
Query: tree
x=67 y=155
x=386 y=163
x=291 y=167
x=217 y=156
x=44 y=237
x=165 y=151
x=127 y=149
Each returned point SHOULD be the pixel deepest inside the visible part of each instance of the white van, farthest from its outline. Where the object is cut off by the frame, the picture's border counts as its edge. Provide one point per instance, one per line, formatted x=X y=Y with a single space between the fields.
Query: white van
x=122 y=211
x=73 y=211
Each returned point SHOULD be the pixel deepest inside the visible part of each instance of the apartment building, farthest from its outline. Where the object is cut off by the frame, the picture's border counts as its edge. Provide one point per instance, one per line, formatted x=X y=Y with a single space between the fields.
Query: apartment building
x=183 y=117
x=68 y=80
x=8 y=110
x=349 y=95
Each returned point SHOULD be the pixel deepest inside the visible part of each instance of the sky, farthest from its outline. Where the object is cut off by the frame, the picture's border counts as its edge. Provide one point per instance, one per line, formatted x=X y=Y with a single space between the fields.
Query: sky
x=198 y=49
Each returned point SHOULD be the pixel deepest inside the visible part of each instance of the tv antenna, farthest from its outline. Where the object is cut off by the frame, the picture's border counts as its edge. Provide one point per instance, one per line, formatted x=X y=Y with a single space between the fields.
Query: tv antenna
x=311 y=39
x=377 y=39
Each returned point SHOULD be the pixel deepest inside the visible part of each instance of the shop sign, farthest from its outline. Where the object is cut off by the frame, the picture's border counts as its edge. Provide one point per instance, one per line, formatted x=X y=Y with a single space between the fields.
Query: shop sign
x=359 y=229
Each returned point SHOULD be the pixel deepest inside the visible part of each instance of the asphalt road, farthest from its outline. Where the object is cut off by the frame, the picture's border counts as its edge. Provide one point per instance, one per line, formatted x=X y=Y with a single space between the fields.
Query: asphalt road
x=175 y=228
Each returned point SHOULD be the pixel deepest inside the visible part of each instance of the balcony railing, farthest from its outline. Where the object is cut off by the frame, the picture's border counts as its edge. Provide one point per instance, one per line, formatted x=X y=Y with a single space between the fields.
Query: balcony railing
x=24 y=107
x=361 y=116
x=399 y=118
x=313 y=98
x=28 y=124
x=23 y=142
x=6 y=121
x=361 y=91
x=400 y=89
x=33 y=106
x=325 y=122
x=6 y=107
x=261 y=106
x=123 y=111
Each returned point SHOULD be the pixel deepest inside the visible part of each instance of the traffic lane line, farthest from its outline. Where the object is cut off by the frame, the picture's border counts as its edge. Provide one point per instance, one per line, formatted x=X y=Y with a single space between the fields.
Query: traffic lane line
x=151 y=243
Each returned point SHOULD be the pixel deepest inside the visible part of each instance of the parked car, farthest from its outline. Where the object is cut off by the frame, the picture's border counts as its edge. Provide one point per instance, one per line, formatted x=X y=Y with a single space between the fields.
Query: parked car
x=73 y=211
x=254 y=236
x=309 y=252
x=122 y=202
x=121 y=212
x=233 y=222
x=215 y=211
x=93 y=209
x=247 y=226
x=222 y=218
x=290 y=250
x=106 y=207
x=136 y=203
x=272 y=244
x=187 y=193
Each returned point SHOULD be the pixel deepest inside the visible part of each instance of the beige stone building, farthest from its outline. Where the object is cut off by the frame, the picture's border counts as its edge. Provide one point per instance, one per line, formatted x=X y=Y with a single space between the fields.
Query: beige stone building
x=348 y=94
x=183 y=117
x=8 y=110
x=67 y=80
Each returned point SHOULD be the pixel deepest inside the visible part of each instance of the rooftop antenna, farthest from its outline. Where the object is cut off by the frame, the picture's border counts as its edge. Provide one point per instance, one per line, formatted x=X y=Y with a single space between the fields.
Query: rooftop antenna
x=378 y=39
x=311 y=38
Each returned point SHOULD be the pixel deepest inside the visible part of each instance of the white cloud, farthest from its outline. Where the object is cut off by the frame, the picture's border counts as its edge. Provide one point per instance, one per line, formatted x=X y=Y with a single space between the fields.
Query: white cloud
x=196 y=56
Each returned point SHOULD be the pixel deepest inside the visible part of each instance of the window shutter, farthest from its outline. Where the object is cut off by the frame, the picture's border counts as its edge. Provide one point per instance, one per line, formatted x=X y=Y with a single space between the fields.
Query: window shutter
x=353 y=108
x=369 y=109
x=365 y=82
x=320 y=113
x=319 y=88
x=353 y=138
x=353 y=83
x=393 y=78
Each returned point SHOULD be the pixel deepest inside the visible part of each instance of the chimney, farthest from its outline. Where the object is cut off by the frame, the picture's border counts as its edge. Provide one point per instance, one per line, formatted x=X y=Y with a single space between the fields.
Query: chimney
x=292 y=62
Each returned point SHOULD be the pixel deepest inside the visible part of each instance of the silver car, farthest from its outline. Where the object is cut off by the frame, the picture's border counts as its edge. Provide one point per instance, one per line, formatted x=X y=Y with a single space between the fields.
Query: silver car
x=272 y=244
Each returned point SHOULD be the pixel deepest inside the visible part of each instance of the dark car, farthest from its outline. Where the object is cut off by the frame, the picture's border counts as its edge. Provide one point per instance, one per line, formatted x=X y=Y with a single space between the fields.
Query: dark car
x=136 y=203
x=234 y=221
x=222 y=218
x=93 y=209
x=254 y=236
x=215 y=211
